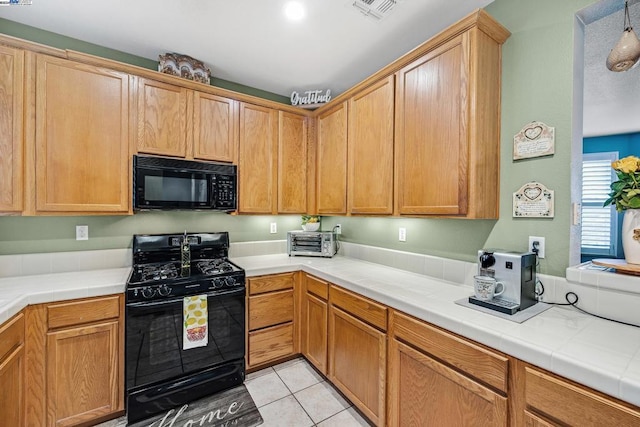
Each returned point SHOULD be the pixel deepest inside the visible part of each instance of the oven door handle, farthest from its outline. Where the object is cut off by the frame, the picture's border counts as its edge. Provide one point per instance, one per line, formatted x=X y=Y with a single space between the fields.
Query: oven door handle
x=149 y=305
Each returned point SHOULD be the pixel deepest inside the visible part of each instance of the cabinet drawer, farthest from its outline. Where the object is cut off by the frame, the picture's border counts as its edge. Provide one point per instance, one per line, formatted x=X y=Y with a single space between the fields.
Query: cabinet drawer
x=363 y=308
x=79 y=312
x=318 y=287
x=572 y=404
x=276 y=282
x=11 y=335
x=270 y=344
x=270 y=309
x=489 y=367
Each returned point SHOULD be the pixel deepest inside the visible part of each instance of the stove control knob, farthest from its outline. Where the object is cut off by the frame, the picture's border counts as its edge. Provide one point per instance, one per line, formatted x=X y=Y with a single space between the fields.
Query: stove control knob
x=148 y=292
x=230 y=281
x=164 y=290
x=218 y=283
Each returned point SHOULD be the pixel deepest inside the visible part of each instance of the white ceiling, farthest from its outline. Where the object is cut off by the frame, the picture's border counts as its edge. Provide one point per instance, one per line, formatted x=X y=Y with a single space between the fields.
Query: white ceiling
x=250 y=41
x=611 y=100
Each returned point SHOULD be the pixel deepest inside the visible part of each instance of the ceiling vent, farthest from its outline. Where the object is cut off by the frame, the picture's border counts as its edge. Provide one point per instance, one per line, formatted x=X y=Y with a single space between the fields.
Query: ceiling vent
x=375 y=9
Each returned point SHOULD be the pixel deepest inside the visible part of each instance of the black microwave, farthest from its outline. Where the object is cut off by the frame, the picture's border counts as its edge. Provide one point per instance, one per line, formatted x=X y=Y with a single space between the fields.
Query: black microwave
x=163 y=183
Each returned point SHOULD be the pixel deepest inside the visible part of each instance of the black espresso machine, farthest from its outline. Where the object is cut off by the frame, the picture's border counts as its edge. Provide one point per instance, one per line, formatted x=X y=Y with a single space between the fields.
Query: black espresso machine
x=517 y=271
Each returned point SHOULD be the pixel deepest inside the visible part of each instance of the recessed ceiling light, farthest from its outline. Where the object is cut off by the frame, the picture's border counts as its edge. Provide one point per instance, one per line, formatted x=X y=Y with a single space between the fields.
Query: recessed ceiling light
x=294 y=10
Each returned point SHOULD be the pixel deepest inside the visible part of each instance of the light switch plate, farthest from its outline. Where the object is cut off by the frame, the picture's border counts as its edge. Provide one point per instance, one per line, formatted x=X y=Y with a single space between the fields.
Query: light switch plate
x=273 y=228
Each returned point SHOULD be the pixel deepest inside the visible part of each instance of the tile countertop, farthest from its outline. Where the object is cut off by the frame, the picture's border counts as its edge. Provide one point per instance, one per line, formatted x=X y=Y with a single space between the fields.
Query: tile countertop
x=600 y=354
x=18 y=292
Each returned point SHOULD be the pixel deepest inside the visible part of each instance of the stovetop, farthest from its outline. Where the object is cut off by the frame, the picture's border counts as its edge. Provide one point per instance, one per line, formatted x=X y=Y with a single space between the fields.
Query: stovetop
x=175 y=265
x=174 y=271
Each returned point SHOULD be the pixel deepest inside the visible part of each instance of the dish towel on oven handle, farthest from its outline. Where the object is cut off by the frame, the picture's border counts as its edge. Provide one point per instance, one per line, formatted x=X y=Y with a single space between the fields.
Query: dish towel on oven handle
x=195 y=315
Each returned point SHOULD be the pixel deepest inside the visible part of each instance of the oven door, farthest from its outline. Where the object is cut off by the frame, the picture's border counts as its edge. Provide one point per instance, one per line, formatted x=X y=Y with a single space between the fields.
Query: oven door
x=160 y=374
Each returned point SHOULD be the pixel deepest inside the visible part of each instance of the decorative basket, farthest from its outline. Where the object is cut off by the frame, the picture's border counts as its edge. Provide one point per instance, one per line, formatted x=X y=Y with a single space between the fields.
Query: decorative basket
x=184 y=66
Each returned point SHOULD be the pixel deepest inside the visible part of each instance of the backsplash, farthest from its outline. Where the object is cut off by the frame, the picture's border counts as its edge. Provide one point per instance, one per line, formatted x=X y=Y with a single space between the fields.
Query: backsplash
x=600 y=291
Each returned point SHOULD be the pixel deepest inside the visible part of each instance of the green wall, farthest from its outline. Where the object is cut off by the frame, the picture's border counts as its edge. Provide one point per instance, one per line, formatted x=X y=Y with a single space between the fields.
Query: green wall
x=537 y=85
x=48 y=38
x=52 y=234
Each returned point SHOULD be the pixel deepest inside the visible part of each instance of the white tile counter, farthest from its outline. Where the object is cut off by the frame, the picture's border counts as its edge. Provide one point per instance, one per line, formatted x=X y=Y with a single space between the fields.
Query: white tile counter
x=600 y=354
x=19 y=291
x=597 y=353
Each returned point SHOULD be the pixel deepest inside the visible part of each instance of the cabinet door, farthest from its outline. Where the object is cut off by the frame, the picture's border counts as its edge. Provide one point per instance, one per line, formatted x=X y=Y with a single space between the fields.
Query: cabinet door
x=12 y=390
x=257 y=159
x=292 y=163
x=163 y=118
x=11 y=125
x=76 y=391
x=357 y=362
x=425 y=392
x=431 y=132
x=12 y=372
x=555 y=398
x=331 y=160
x=314 y=333
x=82 y=142
x=370 y=186
x=215 y=127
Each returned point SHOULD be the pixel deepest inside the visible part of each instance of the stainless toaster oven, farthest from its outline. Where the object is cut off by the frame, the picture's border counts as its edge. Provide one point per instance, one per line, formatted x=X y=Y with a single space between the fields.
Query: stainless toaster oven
x=312 y=243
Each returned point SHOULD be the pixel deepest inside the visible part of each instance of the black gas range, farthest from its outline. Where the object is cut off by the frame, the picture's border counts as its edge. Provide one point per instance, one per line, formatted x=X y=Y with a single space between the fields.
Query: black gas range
x=185 y=321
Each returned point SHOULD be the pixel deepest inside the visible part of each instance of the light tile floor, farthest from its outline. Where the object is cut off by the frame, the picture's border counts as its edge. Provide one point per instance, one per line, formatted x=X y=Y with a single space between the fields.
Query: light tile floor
x=293 y=394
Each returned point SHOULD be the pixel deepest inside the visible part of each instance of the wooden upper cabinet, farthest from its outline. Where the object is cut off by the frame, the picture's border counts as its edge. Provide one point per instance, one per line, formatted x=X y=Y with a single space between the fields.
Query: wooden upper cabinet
x=447 y=128
x=370 y=186
x=11 y=125
x=257 y=160
x=431 y=132
x=331 y=161
x=215 y=127
x=292 y=163
x=163 y=119
x=81 y=138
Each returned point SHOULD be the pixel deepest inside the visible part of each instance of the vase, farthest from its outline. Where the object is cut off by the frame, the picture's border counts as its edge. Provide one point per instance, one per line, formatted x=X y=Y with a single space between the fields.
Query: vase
x=631 y=236
x=311 y=226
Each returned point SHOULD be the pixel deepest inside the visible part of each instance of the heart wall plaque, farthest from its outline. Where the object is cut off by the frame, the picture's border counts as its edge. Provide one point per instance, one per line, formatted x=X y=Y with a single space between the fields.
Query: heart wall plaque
x=535 y=139
x=533 y=200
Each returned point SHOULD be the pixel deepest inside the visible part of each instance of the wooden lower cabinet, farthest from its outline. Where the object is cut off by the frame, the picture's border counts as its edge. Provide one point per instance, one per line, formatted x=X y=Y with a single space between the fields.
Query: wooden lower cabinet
x=12 y=365
x=76 y=390
x=553 y=401
x=439 y=379
x=271 y=319
x=314 y=322
x=75 y=361
x=426 y=392
x=358 y=360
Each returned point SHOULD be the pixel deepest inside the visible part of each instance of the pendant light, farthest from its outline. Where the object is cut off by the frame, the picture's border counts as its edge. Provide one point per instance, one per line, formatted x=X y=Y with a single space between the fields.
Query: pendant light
x=626 y=52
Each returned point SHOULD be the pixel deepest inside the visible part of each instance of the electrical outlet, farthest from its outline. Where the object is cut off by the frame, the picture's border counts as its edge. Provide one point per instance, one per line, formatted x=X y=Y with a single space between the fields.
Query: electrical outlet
x=402 y=234
x=82 y=232
x=577 y=213
x=338 y=228
x=273 y=229
x=540 y=240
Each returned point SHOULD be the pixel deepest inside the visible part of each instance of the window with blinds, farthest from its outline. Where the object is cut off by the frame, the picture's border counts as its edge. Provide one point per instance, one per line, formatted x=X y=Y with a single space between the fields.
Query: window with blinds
x=599 y=224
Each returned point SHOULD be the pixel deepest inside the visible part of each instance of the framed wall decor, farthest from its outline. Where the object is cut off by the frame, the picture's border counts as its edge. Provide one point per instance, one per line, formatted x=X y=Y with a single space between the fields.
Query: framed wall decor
x=533 y=200
x=535 y=139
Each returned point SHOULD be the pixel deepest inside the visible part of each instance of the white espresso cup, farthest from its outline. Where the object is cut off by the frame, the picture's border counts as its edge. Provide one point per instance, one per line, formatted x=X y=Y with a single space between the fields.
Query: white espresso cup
x=487 y=287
